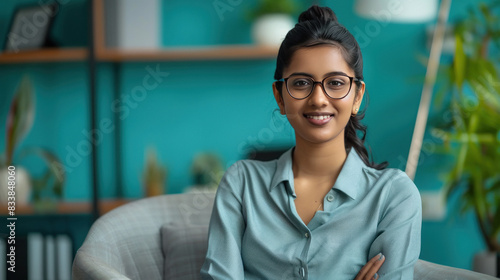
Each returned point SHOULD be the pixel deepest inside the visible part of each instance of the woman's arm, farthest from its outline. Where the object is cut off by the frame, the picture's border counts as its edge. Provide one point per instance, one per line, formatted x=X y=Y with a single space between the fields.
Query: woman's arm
x=398 y=231
x=227 y=225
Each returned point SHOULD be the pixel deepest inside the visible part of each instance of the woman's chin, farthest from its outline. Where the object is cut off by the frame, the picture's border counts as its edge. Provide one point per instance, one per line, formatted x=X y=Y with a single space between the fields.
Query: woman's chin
x=319 y=139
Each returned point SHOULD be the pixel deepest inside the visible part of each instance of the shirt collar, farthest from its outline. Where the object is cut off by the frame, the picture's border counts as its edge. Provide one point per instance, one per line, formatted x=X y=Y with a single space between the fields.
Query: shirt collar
x=348 y=182
x=283 y=169
x=351 y=176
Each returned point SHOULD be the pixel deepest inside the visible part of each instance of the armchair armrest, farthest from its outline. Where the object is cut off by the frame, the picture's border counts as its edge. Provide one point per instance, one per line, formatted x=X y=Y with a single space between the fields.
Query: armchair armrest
x=430 y=271
x=86 y=267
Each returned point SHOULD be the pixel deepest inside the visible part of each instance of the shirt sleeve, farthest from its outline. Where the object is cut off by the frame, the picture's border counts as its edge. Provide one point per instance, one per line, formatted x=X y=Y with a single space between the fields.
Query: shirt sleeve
x=398 y=232
x=227 y=225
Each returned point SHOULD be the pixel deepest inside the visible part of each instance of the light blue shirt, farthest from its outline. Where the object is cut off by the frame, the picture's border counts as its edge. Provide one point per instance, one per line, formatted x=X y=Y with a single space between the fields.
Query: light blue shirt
x=256 y=233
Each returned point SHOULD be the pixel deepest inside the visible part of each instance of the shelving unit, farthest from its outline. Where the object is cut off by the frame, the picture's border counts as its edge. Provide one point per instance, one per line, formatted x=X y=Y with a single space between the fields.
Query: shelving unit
x=98 y=52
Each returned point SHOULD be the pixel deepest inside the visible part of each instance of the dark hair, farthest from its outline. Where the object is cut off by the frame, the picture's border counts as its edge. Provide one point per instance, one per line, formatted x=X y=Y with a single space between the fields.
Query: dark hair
x=318 y=26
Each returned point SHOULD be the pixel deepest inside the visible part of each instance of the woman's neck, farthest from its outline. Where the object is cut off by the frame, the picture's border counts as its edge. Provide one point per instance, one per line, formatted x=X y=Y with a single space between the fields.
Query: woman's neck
x=318 y=160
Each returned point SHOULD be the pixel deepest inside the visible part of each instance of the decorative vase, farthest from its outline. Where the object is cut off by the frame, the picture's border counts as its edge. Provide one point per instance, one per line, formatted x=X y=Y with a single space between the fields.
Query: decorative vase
x=154 y=189
x=143 y=32
x=271 y=29
x=486 y=263
x=22 y=187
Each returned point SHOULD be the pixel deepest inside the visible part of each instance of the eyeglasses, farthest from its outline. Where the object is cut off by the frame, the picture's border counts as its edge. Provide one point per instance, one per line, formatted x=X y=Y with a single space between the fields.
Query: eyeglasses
x=336 y=86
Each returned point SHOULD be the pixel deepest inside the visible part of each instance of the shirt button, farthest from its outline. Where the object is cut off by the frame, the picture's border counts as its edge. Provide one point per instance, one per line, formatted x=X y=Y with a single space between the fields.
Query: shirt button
x=302 y=272
x=329 y=198
x=307 y=234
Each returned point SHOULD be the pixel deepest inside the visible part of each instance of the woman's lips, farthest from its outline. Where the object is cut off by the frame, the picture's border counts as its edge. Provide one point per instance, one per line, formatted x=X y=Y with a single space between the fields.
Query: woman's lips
x=318 y=119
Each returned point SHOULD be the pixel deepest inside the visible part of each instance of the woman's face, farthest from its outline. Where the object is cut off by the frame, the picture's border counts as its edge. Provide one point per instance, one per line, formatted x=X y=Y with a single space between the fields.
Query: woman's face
x=318 y=118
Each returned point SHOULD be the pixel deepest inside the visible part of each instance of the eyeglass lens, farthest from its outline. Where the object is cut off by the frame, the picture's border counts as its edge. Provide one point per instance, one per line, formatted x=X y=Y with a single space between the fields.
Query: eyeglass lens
x=335 y=86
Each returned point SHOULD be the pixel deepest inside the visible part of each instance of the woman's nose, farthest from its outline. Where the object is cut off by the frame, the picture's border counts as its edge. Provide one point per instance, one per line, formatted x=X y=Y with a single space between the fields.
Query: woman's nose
x=318 y=96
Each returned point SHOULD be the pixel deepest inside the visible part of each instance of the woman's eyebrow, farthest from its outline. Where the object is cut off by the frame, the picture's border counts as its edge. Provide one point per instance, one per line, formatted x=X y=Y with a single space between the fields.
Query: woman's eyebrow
x=334 y=73
x=301 y=74
x=325 y=75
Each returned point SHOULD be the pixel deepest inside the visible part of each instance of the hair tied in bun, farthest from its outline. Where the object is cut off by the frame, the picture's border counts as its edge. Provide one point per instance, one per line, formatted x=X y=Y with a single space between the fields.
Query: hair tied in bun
x=318 y=13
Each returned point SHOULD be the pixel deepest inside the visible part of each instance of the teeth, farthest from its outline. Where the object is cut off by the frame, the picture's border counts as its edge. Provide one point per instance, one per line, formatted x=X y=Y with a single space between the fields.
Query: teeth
x=319 y=117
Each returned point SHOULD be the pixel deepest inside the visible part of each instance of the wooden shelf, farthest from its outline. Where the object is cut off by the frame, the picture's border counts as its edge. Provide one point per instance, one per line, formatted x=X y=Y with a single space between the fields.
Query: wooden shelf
x=235 y=52
x=238 y=52
x=45 y=55
x=67 y=208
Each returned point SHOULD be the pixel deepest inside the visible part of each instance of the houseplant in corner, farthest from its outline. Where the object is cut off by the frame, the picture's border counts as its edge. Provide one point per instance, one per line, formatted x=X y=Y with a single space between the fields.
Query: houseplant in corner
x=470 y=127
x=19 y=122
x=272 y=20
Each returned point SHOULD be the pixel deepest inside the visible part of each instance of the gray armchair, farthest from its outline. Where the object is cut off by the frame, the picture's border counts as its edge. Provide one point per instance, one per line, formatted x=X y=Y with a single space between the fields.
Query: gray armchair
x=164 y=237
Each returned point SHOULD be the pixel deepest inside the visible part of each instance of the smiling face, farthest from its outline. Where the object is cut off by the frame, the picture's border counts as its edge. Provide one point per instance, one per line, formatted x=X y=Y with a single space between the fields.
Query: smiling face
x=318 y=118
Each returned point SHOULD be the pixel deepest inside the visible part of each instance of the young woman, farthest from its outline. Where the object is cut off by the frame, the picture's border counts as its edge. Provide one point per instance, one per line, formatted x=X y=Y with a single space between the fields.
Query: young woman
x=322 y=210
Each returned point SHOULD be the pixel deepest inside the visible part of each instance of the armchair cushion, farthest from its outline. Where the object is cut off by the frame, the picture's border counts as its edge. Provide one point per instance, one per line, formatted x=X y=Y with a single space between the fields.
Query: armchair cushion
x=184 y=248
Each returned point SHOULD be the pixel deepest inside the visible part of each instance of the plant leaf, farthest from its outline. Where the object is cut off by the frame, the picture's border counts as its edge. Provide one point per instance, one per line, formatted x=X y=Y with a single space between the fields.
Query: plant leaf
x=20 y=117
x=55 y=168
x=459 y=61
x=496 y=222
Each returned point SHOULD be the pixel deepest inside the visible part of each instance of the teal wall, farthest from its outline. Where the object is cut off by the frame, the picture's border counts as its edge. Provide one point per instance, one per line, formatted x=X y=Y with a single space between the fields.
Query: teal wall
x=225 y=107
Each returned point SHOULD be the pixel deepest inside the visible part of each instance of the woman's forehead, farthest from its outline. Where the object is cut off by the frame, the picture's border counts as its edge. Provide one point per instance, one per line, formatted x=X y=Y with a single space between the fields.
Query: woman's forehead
x=318 y=60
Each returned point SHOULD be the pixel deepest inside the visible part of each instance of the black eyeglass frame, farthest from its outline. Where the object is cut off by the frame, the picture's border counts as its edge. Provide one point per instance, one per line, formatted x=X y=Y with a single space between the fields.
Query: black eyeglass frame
x=285 y=80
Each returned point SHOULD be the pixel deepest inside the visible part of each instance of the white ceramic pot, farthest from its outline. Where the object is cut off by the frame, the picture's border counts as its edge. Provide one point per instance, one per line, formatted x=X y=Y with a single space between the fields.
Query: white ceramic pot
x=486 y=263
x=22 y=187
x=270 y=30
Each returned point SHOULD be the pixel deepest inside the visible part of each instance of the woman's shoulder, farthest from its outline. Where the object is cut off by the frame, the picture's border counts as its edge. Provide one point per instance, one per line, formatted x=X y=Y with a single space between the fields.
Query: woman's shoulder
x=245 y=174
x=393 y=180
x=252 y=168
x=249 y=167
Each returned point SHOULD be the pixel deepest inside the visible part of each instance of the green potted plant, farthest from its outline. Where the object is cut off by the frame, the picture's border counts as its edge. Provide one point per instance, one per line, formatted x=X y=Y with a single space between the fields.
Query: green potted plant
x=272 y=20
x=207 y=171
x=470 y=129
x=45 y=189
